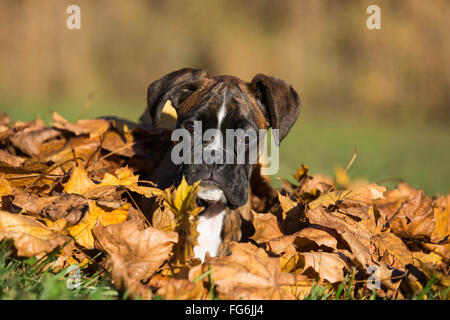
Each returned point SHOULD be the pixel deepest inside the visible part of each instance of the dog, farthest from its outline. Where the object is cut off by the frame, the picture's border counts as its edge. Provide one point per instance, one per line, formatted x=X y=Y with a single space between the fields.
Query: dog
x=220 y=103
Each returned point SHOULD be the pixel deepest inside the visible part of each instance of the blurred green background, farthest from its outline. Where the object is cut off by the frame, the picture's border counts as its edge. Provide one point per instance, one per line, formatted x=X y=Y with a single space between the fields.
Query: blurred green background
x=385 y=91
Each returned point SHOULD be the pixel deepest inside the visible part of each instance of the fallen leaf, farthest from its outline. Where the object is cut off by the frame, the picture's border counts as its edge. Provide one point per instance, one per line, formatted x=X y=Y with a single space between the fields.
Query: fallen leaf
x=70 y=207
x=5 y=186
x=29 y=140
x=266 y=227
x=328 y=266
x=414 y=218
x=359 y=196
x=164 y=219
x=135 y=253
x=8 y=159
x=93 y=127
x=31 y=238
x=183 y=205
x=388 y=244
x=356 y=235
x=172 y=288
x=82 y=232
x=441 y=211
x=119 y=143
x=79 y=182
x=249 y=273
x=125 y=178
x=303 y=240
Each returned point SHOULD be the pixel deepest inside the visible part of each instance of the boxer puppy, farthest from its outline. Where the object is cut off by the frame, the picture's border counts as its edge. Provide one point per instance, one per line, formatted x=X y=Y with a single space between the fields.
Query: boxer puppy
x=220 y=103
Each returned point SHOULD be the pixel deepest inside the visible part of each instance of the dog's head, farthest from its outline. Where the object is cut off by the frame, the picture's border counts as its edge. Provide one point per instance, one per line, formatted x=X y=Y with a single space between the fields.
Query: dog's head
x=221 y=103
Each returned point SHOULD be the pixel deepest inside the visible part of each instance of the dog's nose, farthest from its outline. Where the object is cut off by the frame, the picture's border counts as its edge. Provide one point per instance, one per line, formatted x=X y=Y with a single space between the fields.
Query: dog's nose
x=214 y=159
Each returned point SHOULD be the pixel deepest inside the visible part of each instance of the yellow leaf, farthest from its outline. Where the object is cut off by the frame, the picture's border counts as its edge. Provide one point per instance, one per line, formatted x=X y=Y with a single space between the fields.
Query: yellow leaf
x=82 y=231
x=286 y=204
x=441 y=210
x=57 y=225
x=184 y=206
x=184 y=197
x=79 y=182
x=115 y=216
x=5 y=186
x=301 y=172
x=124 y=177
x=432 y=258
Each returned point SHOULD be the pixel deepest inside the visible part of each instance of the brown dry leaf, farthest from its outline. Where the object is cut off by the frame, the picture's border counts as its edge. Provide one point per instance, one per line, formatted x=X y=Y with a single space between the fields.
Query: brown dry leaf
x=172 y=288
x=164 y=219
x=316 y=184
x=392 y=248
x=415 y=217
x=286 y=204
x=441 y=210
x=5 y=186
x=135 y=253
x=29 y=140
x=328 y=266
x=93 y=127
x=8 y=159
x=78 y=149
x=70 y=207
x=266 y=227
x=82 y=232
x=30 y=172
x=303 y=240
x=249 y=273
x=357 y=197
x=31 y=238
x=356 y=235
x=119 y=143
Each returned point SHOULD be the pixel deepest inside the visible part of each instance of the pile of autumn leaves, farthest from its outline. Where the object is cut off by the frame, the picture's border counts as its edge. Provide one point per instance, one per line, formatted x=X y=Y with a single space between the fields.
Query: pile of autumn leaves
x=72 y=188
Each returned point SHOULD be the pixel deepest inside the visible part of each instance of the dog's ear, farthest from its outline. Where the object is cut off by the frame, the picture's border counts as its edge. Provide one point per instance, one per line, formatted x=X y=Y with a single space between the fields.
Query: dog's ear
x=280 y=100
x=175 y=86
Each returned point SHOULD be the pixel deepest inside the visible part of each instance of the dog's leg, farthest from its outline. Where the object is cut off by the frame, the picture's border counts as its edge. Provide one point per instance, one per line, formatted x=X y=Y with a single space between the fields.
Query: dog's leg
x=209 y=239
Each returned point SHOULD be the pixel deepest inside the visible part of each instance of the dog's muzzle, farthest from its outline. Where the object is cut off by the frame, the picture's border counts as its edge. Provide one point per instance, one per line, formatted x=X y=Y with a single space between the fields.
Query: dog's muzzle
x=211 y=193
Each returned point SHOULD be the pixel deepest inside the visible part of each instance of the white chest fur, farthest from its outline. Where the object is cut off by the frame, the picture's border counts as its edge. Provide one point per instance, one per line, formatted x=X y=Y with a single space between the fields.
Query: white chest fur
x=209 y=238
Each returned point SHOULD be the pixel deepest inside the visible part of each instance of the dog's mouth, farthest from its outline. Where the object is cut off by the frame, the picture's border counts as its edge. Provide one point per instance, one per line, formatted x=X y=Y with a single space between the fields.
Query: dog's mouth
x=211 y=197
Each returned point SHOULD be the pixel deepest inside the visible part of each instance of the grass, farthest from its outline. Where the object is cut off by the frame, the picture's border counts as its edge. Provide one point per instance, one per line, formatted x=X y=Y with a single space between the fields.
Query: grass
x=413 y=152
x=29 y=279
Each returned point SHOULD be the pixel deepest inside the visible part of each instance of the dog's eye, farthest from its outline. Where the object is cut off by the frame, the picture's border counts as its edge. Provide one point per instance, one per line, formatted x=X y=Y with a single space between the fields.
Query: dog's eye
x=189 y=126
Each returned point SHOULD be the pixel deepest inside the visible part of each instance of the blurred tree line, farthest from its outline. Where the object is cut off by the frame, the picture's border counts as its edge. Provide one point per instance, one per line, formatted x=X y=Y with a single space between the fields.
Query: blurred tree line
x=322 y=47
